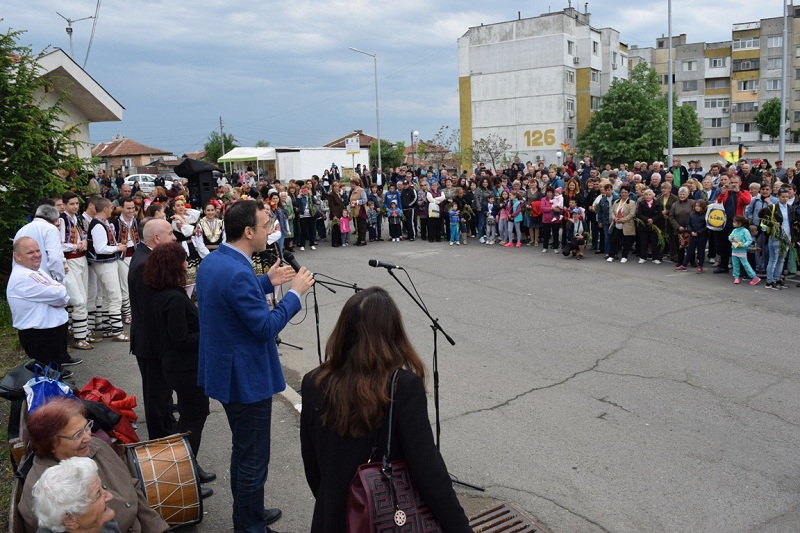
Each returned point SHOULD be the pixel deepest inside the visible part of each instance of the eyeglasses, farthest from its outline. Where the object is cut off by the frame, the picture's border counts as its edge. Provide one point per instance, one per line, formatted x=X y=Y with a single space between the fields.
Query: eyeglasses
x=80 y=433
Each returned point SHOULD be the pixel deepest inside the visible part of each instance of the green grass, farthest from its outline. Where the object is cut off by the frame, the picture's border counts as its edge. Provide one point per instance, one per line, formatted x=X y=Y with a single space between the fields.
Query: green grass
x=10 y=356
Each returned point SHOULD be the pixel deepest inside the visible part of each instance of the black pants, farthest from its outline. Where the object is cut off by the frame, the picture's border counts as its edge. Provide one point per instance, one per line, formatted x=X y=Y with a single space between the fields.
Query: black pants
x=157 y=396
x=423 y=229
x=45 y=345
x=619 y=241
x=336 y=235
x=548 y=231
x=361 y=229
x=408 y=223
x=307 y=231
x=648 y=238
x=434 y=229
x=192 y=405
x=723 y=246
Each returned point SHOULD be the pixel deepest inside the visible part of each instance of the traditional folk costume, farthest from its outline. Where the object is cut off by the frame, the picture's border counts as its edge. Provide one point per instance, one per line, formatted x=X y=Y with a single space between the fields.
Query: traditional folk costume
x=97 y=322
x=127 y=231
x=209 y=235
x=185 y=234
x=104 y=260
x=77 y=278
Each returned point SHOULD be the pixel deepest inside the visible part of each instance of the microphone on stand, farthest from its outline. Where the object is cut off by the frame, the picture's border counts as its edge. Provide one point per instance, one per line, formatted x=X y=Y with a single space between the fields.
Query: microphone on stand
x=375 y=264
x=291 y=260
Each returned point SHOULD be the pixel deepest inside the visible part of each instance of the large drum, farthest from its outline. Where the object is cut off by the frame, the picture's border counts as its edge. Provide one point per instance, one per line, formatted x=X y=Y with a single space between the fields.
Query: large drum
x=168 y=474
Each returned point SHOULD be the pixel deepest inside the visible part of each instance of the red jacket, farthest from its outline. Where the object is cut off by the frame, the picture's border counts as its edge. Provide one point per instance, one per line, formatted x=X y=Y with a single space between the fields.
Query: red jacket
x=742 y=201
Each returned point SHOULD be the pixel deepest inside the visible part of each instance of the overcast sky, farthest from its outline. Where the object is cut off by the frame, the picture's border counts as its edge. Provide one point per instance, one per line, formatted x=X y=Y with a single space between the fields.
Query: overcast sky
x=282 y=71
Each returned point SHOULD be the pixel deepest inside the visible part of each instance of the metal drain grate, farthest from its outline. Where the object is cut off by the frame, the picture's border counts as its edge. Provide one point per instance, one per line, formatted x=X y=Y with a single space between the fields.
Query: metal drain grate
x=503 y=518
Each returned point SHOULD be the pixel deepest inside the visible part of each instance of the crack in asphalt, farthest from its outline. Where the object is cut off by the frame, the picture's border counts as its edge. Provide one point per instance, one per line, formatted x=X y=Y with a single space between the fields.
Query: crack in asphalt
x=609 y=402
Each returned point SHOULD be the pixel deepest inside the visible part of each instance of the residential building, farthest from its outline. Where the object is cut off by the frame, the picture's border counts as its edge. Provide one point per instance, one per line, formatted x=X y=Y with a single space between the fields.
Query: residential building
x=124 y=156
x=535 y=81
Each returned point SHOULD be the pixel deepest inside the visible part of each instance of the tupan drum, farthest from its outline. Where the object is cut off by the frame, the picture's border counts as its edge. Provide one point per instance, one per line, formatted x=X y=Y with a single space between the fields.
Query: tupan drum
x=168 y=475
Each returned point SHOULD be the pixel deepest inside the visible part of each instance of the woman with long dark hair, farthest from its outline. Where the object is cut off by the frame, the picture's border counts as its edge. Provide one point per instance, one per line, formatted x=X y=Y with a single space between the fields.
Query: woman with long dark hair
x=345 y=405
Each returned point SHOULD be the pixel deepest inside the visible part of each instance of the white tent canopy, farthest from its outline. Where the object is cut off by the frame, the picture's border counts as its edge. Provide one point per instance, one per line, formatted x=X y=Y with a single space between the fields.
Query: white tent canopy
x=247 y=153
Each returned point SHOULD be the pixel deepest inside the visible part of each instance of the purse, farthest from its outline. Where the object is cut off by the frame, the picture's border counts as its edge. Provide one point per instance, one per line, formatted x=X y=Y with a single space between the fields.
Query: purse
x=45 y=386
x=382 y=497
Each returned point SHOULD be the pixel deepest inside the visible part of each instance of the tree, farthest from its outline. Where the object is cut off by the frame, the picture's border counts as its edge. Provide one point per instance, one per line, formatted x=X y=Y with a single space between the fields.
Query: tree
x=261 y=143
x=36 y=149
x=391 y=154
x=686 y=129
x=768 y=120
x=631 y=123
x=492 y=148
x=213 y=146
x=434 y=151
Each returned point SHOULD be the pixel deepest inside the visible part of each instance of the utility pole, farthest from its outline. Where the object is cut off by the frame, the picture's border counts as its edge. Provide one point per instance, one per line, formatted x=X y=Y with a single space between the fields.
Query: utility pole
x=669 y=86
x=69 y=31
x=782 y=137
x=221 y=138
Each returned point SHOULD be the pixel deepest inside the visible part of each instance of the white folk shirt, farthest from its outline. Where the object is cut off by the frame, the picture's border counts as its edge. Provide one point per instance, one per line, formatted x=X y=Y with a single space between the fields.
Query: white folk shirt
x=37 y=301
x=48 y=238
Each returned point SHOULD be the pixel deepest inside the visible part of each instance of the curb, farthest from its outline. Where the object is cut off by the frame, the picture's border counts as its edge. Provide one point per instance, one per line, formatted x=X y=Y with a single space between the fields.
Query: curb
x=293 y=398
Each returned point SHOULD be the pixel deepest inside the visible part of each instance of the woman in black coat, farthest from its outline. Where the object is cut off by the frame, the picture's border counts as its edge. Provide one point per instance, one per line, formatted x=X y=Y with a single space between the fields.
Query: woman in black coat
x=345 y=404
x=173 y=321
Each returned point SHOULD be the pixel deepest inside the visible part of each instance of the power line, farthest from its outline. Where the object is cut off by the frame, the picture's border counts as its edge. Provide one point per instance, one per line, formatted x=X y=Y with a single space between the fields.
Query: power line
x=91 y=38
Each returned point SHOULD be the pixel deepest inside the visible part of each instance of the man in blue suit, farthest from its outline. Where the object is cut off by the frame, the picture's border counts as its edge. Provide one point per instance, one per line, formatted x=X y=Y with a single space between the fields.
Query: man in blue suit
x=239 y=363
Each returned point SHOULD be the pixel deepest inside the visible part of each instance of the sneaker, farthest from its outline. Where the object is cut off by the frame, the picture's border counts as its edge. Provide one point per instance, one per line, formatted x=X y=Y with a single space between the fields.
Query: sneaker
x=451 y=243
x=755 y=281
x=610 y=259
x=642 y=261
x=302 y=248
x=623 y=260
x=782 y=284
x=656 y=261
x=313 y=247
x=712 y=261
x=508 y=244
x=483 y=240
x=736 y=281
x=699 y=270
x=72 y=361
x=458 y=243
x=680 y=267
x=772 y=286
x=544 y=250
x=519 y=244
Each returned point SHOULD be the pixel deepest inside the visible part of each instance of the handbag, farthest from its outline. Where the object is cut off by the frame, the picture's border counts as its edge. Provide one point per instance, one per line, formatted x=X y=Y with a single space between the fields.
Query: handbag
x=11 y=386
x=433 y=210
x=382 y=497
x=45 y=386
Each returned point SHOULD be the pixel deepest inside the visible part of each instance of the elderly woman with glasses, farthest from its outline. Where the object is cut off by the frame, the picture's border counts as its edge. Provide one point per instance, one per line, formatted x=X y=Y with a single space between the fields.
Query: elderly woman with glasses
x=70 y=497
x=59 y=430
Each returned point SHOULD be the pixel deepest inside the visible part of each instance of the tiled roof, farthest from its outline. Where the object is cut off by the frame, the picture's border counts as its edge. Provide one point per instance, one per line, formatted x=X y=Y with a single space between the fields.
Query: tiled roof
x=364 y=141
x=195 y=155
x=125 y=147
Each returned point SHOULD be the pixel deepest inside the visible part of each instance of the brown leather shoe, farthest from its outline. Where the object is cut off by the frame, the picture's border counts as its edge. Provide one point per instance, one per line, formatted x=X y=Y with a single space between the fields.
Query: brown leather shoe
x=121 y=338
x=82 y=345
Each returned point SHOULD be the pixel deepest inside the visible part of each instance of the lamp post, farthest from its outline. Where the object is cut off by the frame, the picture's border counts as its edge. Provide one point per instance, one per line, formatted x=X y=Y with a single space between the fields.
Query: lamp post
x=377 y=108
x=414 y=139
x=558 y=156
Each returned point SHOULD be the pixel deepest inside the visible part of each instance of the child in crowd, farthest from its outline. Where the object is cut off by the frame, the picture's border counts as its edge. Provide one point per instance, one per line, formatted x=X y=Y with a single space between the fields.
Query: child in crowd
x=491 y=220
x=344 y=227
x=740 y=240
x=455 y=223
x=372 y=221
x=698 y=236
x=395 y=227
x=575 y=229
x=502 y=215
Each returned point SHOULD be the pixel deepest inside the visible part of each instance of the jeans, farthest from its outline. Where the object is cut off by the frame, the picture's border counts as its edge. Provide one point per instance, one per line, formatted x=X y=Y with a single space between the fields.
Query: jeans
x=512 y=227
x=762 y=257
x=776 y=258
x=696 y=245
x=250 y=439
x=481 y=223
x=454 y=237
x=606 y=238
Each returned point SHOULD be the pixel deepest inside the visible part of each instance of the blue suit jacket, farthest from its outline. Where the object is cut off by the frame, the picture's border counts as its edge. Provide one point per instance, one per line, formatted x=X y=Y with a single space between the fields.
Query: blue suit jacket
x=238 y=355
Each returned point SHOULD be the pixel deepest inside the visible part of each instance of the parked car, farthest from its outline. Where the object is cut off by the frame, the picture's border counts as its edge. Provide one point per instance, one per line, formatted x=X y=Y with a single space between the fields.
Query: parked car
x=146 y=182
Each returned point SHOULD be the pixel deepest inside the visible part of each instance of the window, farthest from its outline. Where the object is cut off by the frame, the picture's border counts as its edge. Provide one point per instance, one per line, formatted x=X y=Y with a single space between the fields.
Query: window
x=691 y=103
x=666 y=80
x=713 y=103
x=748 y=85
x=718 y=62
x=716 y=141
x=721 y=122
x=776 y=41
x=689 y=66
x=571 y=76
x=595 y=76
x=746 y=107
x=570 y=105
x=774 y=85
x=744 y=127
x=720 y=83
x=614 y=58
x=571 y=48
x=595 y=48
x=661 y=44
x=595 y=103
x=797 y=95
x=127 y=162
x=690 y=85
x=746 y=64
x=746 y=44
x=570 y=132
x=797 y=116
x=775 y=62
x=797 y=73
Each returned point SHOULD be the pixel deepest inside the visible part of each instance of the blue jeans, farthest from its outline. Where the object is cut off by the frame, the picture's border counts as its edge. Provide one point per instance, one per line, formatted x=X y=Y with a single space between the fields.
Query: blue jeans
x=481 y=223
x=762 y=257
x=606 y=238
x=454 y=237
x=776 y=258
x=250 y=438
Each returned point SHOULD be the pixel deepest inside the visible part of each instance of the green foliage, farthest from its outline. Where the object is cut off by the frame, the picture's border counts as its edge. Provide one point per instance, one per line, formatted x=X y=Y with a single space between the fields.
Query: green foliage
x=686 y=128
x=768 y=120
x=631 y=123
x=213 y=146
x=261 y=143
x=391 y=154
x=490 y=149
x=35 y=146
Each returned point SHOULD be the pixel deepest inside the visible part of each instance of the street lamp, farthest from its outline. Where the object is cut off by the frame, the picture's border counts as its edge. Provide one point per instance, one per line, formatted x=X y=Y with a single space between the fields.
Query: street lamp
x=377 y=109
x=414 y=139
x=558 y=156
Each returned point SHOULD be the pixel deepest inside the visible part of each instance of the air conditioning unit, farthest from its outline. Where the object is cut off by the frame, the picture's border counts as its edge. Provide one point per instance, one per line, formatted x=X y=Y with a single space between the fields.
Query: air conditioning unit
x=733 y=107
x=615 y=66
x=724 y=109
x=755 y=91
x=576 y=60
x=571 y=114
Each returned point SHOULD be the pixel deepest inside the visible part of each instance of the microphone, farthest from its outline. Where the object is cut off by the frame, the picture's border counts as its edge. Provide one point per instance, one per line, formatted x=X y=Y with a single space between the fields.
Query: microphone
x=375 y=264
x=290 y=259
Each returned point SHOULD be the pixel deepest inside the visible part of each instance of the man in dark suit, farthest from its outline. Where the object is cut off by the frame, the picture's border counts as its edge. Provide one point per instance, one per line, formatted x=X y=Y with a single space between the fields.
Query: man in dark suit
x=157 y=395
x=239 y=364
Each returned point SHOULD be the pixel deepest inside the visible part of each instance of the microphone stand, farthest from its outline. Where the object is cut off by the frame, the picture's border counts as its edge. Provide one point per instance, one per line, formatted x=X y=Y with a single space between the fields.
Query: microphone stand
x=436 y=328
x=327 y=285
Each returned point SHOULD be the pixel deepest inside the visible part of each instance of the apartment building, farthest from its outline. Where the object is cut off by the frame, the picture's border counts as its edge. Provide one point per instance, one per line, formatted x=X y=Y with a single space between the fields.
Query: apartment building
x=535 y=81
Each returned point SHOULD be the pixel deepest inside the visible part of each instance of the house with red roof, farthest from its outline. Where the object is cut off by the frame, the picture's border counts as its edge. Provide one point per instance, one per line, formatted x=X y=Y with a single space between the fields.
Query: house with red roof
x=126 y=156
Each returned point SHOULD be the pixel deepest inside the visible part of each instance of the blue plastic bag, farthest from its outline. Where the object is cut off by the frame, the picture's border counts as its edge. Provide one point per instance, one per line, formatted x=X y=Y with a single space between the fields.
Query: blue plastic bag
x=45 y=386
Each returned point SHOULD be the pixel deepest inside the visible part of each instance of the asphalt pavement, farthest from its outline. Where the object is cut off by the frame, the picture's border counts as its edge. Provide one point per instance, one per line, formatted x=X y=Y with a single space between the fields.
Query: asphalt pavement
x=596 y=396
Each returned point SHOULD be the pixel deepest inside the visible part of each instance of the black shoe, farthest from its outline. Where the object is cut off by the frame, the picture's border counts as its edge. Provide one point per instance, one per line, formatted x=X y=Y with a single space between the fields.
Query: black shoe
x=380 y=239
x=271 y=516
x=205 y=477
x=66 y=374
x=773 y=286
x=205 y=492
x=410 y=240
x=598 y=251
x=72 y=361
x=782 y=284
x=720 y=270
